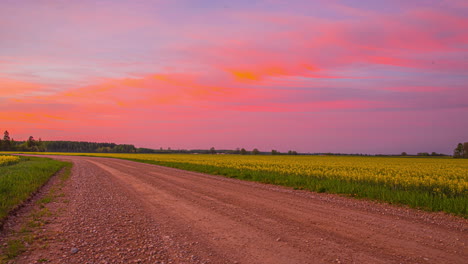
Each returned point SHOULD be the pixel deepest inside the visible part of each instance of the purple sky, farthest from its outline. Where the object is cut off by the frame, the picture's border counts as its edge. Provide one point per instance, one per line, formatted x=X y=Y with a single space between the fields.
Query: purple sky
x=312 y=76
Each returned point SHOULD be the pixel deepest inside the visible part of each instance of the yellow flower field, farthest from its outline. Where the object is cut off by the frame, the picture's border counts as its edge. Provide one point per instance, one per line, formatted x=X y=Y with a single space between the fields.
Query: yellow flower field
x=8 y=160
x=437 y=175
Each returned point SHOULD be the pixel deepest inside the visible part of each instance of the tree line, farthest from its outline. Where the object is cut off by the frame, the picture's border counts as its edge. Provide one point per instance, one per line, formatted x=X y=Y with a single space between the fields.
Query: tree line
x=33 y=145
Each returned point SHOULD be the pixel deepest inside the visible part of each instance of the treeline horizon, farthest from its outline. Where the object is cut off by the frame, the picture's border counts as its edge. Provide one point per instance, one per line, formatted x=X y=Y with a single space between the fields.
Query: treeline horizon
x=33 y=145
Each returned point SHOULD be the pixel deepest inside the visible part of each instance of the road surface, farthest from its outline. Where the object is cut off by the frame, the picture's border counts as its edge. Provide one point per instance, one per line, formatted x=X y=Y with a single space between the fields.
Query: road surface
x=118 y=211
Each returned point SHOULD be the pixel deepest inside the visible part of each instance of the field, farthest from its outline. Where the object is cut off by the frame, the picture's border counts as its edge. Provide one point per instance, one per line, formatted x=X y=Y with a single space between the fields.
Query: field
x=435 y=184
x=8 y=160
x=22 y=177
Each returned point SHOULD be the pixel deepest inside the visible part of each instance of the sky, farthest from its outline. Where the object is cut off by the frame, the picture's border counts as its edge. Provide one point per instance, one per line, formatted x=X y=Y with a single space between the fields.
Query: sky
x=349 y=76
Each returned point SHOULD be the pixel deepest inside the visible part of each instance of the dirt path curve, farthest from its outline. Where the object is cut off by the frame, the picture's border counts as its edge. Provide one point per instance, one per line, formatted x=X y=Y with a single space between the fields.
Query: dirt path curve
x=121 y=211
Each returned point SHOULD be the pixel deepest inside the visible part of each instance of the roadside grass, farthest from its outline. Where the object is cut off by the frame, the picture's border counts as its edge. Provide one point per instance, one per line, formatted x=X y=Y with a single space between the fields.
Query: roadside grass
x=27 y=236
x=19 y=181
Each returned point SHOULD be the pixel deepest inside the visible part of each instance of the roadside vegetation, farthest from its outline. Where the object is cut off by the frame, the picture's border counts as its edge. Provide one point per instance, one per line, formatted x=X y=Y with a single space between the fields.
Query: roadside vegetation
x=19 y=180
x=30 y=234
x=8 y=160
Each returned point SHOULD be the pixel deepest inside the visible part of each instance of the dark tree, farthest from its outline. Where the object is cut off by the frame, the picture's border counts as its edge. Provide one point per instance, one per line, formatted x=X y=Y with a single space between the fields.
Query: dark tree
x=6 y=136
x=459 y=152
x=31 y=142
x=255 y=151
x=465 y=147
x=212 y=150
x=274 y=152
x=404 y=154
x=243 y=151
x=6 y=144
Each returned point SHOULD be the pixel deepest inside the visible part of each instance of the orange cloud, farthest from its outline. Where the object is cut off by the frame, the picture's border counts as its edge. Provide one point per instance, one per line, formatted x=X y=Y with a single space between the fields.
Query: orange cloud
x=261 y=73
x=244 y=75
x=258 y=73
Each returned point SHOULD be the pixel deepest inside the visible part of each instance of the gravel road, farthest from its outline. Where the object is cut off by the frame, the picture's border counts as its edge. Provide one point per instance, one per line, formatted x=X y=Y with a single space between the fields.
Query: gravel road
x=125 y=212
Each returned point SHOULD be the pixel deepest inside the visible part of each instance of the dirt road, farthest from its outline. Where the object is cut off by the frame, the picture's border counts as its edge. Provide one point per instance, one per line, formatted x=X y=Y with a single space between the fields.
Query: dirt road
x=121 y=212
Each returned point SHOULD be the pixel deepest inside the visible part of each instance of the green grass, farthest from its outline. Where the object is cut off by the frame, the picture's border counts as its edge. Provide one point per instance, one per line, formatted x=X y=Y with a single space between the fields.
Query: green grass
x=25 y=178
x=19 y=181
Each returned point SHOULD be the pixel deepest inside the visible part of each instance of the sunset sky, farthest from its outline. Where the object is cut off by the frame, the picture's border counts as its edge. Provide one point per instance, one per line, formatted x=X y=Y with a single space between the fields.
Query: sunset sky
x=351 y=76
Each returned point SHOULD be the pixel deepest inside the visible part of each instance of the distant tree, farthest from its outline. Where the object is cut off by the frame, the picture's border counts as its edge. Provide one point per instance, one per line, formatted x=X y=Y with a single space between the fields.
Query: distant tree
x=465 y=148
x=292 y=152
x=255 y=151
x=423 y=154
x=404 y=154
x=6 y=136
x=243 y=151
x=459 y=151
x=212 y=150
x=6 y=144
x=274 y=152
x=31 y=142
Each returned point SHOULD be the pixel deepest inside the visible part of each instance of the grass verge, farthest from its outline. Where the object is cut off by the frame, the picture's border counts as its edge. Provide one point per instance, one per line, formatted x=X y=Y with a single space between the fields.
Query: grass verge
x=19 y=181
x=28 y=236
